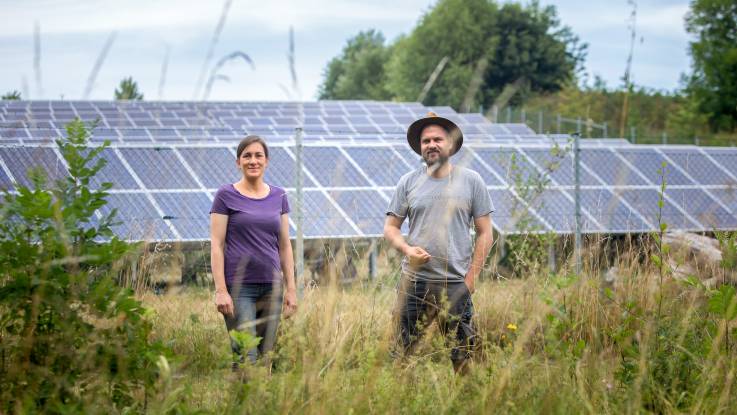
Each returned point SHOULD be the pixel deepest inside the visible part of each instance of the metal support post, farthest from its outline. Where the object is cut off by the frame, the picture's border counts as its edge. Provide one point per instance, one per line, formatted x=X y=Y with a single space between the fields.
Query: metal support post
x=577 y=194
x=299 y=214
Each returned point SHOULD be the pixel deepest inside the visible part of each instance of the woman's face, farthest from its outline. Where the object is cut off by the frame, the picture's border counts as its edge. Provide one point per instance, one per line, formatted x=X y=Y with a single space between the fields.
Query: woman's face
x=253 y=161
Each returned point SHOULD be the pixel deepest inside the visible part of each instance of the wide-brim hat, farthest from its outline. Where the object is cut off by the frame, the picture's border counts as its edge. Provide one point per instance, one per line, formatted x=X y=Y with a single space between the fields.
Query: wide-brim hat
x=415 y=129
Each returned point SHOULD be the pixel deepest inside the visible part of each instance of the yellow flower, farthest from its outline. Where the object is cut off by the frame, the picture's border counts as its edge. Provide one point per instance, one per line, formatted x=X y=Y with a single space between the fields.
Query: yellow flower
x=512 y=327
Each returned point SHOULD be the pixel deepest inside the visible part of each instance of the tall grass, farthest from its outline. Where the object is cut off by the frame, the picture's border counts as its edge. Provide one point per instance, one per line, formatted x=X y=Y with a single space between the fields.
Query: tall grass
x=550 y=343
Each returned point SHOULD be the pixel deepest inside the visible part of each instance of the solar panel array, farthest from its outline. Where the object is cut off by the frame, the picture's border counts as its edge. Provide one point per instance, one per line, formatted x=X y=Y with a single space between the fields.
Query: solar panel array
x=167 y=159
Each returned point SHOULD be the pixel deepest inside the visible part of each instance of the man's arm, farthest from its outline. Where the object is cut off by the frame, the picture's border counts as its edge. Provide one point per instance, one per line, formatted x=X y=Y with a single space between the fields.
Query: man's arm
x=484 y=240
x=393 y=234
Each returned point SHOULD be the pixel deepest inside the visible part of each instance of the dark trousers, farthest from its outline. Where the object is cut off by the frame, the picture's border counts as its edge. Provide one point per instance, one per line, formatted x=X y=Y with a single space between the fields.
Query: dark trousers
x=422 y=302
x=257 y=310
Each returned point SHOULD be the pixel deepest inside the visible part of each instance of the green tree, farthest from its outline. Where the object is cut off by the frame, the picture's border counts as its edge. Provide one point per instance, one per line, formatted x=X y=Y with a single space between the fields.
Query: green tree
x=71 y=340
x=520 y=49
x=128 y=90
x=713 y=82
x=358 y=72
x=11 y=96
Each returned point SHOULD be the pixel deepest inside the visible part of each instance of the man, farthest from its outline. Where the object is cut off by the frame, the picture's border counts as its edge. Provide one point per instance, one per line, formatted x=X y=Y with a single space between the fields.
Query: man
x=439 y=271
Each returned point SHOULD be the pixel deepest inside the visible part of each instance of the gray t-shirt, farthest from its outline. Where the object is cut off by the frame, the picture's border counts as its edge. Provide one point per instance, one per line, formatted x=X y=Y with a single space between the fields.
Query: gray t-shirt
x=440 y=214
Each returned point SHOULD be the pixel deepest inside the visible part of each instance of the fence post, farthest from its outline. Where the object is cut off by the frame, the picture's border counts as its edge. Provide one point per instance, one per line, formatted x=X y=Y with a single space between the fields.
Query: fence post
x=373 y=253
x=665 y=138
x=633 y=135
x=540 y=122
x=696 y=141
x=522 y=116
x=578 y=126
x=509 y=115
x=577 y=199
x=557 y=121
x=606 y=132
x=299 y=217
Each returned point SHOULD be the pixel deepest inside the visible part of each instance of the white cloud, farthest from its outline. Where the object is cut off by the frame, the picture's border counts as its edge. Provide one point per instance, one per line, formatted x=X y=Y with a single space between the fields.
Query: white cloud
x=667 y=21
x=74 y=31
x=88 y=16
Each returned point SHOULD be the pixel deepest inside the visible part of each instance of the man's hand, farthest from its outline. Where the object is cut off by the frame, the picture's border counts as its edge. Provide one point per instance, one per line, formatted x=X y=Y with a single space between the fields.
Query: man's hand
x=417 y=256
x=290 y=303
x=224 y=303
x=470 y=283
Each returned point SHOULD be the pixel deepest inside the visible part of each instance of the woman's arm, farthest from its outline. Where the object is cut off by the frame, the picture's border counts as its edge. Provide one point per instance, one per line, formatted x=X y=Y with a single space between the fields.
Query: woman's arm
x=287 y=265
x=218 y=227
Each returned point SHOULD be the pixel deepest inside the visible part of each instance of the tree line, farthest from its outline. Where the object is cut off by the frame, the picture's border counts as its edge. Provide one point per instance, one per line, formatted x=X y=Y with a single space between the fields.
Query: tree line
x=475 y=54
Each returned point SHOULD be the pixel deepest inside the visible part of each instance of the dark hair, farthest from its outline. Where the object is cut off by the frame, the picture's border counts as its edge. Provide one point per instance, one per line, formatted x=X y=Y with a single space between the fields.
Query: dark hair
x=250 y=140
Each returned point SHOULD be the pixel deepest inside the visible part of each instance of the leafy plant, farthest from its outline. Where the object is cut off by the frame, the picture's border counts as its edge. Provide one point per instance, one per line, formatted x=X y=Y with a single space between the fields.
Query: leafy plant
x=526 y=250
x=69 y=336
x=128 y=90
x=723 y=303
x=11 y=96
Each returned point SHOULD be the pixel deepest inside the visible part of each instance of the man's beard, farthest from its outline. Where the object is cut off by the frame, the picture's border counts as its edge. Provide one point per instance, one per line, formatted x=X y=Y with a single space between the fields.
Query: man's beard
x=439 y=161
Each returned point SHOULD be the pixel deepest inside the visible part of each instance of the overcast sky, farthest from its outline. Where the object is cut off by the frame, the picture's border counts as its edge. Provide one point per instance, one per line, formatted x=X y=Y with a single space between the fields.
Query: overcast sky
x=73 y=34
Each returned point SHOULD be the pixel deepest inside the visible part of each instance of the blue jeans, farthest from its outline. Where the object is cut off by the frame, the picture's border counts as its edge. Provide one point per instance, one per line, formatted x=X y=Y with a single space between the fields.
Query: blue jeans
x=257 y=310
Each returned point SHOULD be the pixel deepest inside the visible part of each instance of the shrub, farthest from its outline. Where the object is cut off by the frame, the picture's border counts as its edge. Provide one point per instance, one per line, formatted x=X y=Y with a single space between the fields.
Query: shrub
x=70 y=337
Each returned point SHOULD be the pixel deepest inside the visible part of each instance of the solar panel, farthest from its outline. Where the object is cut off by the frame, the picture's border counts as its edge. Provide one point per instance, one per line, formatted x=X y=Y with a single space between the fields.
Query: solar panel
x=134 y=135
x=321 y=219
x=612 y=170
x=281 y=170
x=114 y=172
x=214 y=166
x=168 y=158
x=137 y=217
x=20 y=159
x=158 y=168
x=698 y=166
x=365 y=207
x=382 y=164
x=167 y=135
x=13 y=133
x=559 y=166
x=331 y=169
x=188 y=212
x=511 y=213
x=521 y=129
x=727 y=197
x=727 y=160
x=5 y=182
x=645 y=201
x=466 y=158
x=650 y=164
x=609 y=210
x=509 y=164
x=554 y=206
x=702 y=207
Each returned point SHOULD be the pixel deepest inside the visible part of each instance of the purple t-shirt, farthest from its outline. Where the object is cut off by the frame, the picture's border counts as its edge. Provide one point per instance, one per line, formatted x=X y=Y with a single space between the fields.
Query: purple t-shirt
x=252 y=236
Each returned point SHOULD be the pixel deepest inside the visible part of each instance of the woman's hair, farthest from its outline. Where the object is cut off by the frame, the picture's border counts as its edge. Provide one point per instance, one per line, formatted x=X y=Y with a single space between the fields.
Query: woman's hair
x=250 y=140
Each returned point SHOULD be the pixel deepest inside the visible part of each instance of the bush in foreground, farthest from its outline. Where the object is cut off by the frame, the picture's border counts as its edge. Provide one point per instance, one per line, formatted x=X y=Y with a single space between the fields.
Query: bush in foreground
x=71 y=339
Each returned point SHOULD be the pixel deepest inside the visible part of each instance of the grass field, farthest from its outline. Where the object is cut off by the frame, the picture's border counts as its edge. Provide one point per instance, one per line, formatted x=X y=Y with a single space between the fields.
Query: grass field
x=550 y=344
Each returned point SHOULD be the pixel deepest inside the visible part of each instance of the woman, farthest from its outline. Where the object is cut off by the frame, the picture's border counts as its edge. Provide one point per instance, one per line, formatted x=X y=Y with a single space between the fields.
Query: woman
x=251 y=253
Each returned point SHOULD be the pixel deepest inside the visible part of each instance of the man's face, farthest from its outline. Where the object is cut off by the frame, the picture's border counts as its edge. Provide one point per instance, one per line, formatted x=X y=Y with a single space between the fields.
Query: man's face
x=435 y=145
